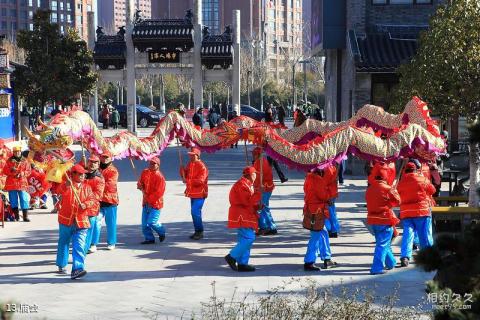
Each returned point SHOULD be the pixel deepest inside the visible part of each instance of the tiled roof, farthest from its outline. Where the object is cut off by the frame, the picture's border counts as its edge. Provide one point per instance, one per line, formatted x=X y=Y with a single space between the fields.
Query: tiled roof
x=163 y=34
x=217 y=49
x=110 y=50
x=379 y=52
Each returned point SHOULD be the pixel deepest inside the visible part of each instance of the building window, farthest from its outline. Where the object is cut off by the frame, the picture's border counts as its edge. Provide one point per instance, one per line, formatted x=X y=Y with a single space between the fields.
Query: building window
x=30 y=3
x=69 y=8
x=30 y=14
x=61 y=5
x=30 y=27
x=210 y=15
x=62 y=17
x=54 y=17
x=54 y=5
x=13 y=12
x=383 y=2
x=4 y=12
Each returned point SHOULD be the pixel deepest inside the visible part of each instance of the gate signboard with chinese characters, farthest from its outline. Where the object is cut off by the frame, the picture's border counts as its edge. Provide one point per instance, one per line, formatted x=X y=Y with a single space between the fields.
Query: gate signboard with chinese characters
x=163 y=56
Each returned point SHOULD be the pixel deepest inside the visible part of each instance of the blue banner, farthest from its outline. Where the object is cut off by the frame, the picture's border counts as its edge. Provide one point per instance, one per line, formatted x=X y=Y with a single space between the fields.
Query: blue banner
x=7 y=118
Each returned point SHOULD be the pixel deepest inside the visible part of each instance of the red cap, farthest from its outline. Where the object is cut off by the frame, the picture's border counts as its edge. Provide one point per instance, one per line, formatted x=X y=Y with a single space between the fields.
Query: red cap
x=410 y=166
x=106 y=153
x=78 y=168
x=94 y=158
x=155 y=160
x=195 y=150
x=249 y=170
x=257 y=150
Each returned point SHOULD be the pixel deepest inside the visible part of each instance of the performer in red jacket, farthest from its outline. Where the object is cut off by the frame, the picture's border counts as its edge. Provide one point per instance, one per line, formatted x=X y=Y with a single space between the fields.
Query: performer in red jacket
x=242 y=215
x=96 y=181
x=108 y=203
x=195 y=176
x=332 y=224
x=381 y=198
x=17 y=169
x=152 y=185
x=415 y=210
x=77 y=199
x=266 y=224
x=318 y=193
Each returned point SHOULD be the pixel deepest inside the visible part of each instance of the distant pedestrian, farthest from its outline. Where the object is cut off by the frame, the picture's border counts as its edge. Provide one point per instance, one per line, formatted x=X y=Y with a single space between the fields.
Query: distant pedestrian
x=269 y=114
x=213 y=118
x=115 y=118
x=106 y=116
x=281 y=115
x=197 y=118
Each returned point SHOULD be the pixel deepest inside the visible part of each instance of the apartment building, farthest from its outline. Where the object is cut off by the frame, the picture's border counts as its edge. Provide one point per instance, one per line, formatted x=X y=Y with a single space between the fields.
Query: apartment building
x=18 y=14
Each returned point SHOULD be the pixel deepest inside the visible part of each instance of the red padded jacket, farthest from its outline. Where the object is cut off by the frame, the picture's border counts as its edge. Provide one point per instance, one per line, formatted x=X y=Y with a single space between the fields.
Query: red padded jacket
x=196 y=179
x=243 y=204
x=268 y=184
x=381 y=198
x=110 y=193
x=17 y=173
x=152 y=184
x=415 y=194
x=318 y=192
x=69 y=208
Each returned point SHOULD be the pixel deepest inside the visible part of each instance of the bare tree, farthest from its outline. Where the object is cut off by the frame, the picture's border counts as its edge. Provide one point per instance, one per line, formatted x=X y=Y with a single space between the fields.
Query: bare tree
x=185 y=85
x=15 y=53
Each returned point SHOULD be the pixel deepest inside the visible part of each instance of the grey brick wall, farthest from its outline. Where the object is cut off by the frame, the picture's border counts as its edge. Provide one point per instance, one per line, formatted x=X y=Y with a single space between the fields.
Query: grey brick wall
x=356 y=15
x=399 y=14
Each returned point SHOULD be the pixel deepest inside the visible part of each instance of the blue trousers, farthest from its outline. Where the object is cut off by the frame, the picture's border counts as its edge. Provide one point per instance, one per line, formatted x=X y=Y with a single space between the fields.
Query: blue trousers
x=265 y=221
x=150 y=221
x=89 y=238
x=24 y=199
x=77 y=236
x=241 y=251
x=383 y=255
x=110 y=214
x=196 y=211
x=423 y=227
x=332 y=223
x=318 y=245
x=416 y=240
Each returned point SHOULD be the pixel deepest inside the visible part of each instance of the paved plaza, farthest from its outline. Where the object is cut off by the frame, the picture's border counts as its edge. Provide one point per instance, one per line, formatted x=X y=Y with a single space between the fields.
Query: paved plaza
x=172 y=279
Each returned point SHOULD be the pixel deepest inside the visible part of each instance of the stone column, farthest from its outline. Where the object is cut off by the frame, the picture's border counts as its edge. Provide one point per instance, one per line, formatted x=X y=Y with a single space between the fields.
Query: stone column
x=197 y=63
x=92 y=100
x=236 y=61
x=131 y=85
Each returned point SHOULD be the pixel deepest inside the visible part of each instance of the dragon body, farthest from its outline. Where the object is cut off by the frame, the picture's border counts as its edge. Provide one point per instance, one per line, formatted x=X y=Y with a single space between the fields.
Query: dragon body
x=313 y=144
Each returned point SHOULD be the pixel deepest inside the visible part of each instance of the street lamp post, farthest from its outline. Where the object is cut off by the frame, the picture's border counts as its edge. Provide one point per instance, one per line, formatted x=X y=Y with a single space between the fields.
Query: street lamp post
x=248 y=86
x=294 y=87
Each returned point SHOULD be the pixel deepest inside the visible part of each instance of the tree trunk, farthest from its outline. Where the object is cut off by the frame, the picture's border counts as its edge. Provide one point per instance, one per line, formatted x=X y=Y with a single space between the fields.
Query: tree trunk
x=473 y=197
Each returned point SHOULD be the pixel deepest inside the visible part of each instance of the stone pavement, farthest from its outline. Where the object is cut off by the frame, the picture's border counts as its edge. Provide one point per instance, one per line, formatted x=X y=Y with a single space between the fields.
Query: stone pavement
x=170 y=280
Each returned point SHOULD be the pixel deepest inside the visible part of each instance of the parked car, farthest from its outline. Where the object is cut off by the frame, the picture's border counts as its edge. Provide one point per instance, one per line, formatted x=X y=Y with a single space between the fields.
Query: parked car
x=248 y=111
x=145 y=116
